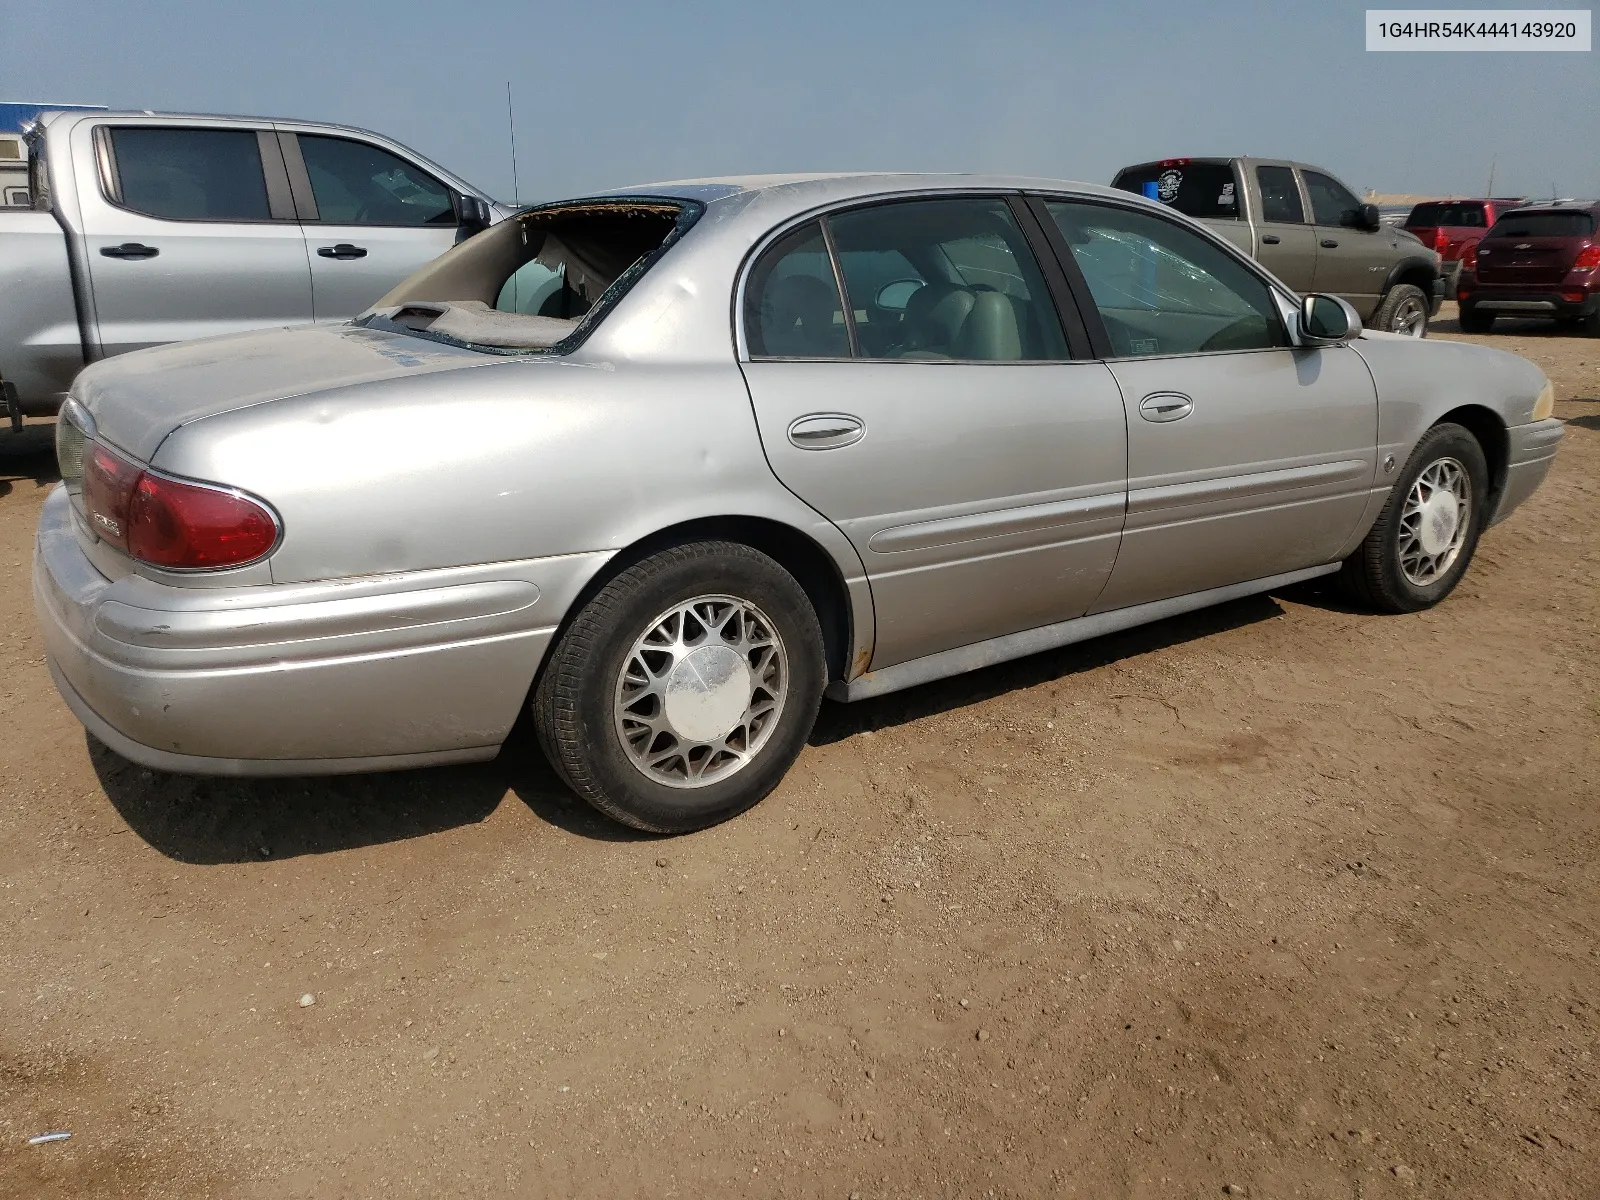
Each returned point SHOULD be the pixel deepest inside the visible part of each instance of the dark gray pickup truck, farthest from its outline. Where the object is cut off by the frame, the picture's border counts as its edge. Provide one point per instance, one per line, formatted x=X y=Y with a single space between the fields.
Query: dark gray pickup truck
x=1305 y=227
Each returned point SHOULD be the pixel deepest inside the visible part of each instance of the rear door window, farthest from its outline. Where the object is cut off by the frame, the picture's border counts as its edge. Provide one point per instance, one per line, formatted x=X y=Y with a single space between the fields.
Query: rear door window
x=355 y=183
x=947 y=278
x=190 y=174
x=1543 y=224
x=792 y=305
x=1205 y=190
x=1280 y=196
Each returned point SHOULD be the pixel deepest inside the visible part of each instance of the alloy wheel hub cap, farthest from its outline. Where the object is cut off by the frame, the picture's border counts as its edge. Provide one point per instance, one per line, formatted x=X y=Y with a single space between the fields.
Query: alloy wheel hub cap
x=1434 y=521
x=707 y=692
x=1440 y=517
x=701 y=691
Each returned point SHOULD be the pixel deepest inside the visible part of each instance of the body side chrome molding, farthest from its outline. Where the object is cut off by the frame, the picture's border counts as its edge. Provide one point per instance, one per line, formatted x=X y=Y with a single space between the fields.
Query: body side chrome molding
x=1259 y=483
x=1049 y=637
x=995 y=522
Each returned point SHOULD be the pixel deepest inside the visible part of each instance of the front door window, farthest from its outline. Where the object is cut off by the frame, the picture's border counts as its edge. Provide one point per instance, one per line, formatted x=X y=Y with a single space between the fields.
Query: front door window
x=1162 y=289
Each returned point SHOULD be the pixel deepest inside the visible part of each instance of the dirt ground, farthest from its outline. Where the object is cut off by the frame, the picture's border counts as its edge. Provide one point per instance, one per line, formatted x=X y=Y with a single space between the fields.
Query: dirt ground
x=1281 y=898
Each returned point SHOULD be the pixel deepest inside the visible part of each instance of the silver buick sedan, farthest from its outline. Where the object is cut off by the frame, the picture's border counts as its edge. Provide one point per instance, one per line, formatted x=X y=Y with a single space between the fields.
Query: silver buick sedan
x=668 y=465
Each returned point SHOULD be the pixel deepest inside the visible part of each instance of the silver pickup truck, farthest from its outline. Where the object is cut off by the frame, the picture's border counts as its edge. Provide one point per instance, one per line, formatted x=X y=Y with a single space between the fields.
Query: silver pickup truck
x=150 y=228
x=1305 y=227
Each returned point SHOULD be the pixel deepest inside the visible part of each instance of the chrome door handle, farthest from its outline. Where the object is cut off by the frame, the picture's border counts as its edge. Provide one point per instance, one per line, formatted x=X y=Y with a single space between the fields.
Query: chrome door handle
x=342 y=250
x=826 y=431
x=1165 y=406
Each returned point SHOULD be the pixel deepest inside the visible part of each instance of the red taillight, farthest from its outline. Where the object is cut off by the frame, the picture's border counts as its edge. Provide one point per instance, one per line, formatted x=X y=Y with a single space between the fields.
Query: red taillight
x=1588 y=259
x=1441 y=240
x=1469 y=258
x=168 y=522
x=108 y=481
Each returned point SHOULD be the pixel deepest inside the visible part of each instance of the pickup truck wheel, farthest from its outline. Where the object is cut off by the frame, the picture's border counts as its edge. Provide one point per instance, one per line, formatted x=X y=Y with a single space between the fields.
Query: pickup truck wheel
x=1473 y=321
x=683 y=691
x=1404 y=309
x=1420 y=545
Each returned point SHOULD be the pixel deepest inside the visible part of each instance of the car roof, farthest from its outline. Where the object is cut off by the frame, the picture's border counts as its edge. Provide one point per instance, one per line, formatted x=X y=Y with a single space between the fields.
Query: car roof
x=1554 y=206
x=828 y=188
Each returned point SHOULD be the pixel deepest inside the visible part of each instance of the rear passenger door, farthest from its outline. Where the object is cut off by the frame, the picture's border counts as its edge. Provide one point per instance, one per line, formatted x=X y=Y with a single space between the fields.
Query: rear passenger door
x=190 y=232
x=938 y=418
x=371 y=218
x=1285 y=244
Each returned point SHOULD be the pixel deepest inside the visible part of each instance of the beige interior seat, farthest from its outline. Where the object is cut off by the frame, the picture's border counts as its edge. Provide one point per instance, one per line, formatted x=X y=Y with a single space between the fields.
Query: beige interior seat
x=933 y=319
x=991 y=332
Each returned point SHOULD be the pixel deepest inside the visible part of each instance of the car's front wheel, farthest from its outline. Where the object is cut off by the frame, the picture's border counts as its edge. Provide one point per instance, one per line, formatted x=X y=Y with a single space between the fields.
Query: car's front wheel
x=1422 y=541
x=684 y=689
x=1404 y=310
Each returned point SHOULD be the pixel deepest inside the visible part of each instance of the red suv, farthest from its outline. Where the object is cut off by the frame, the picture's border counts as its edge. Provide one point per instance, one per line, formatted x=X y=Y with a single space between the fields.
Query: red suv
x=1539 y=261
x=1451 y=227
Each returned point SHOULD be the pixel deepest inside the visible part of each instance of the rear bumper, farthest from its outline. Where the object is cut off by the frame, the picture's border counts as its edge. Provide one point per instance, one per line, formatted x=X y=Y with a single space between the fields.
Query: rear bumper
x=1542 y=301
x=1532 y=451
x=358 y=675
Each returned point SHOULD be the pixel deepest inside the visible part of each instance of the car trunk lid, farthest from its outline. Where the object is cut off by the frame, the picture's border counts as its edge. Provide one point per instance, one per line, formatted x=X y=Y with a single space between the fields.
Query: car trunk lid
x=136 y=400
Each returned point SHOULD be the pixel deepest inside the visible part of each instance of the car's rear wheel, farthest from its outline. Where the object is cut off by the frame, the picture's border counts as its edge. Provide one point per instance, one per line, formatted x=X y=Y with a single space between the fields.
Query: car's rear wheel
x=684 y=690
x=1404 y=310
x=1422 y=541
x=1473 y=321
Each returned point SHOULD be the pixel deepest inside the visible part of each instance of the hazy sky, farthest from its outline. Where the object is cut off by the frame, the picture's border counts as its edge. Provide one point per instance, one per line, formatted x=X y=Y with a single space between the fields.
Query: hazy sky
x=620 y=92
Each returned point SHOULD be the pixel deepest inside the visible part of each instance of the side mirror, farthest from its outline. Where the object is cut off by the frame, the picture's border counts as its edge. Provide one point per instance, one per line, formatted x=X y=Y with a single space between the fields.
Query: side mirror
x=472 y=214
x=1327 y=321
x=1368 y=217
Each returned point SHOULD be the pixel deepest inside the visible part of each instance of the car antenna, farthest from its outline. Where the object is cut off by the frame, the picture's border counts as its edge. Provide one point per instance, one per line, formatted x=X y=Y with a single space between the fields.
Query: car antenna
x=511 y=120
x=1490 y=189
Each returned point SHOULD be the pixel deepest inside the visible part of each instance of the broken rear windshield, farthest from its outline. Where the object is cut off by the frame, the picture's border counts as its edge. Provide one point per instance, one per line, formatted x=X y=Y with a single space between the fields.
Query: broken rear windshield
x=1194 y=189
x=538 y=281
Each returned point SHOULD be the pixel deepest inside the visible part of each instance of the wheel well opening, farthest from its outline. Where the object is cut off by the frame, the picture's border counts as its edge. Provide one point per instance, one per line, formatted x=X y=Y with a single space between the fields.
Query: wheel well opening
x=1417 y=276
x=803 y=558
x=1491 y=433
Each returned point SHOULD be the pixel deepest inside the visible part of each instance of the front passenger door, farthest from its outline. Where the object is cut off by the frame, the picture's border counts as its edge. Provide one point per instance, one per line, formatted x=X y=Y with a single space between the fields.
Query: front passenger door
x=1351 y=261
x=370 y=219
x=1248 y=457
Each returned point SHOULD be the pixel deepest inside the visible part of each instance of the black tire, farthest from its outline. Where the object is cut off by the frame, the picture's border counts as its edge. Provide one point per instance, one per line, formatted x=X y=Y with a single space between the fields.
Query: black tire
x=1402 y=300
x=1473 y=321
x=574 y=704
x=1590 y=324
x=1373 y=575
